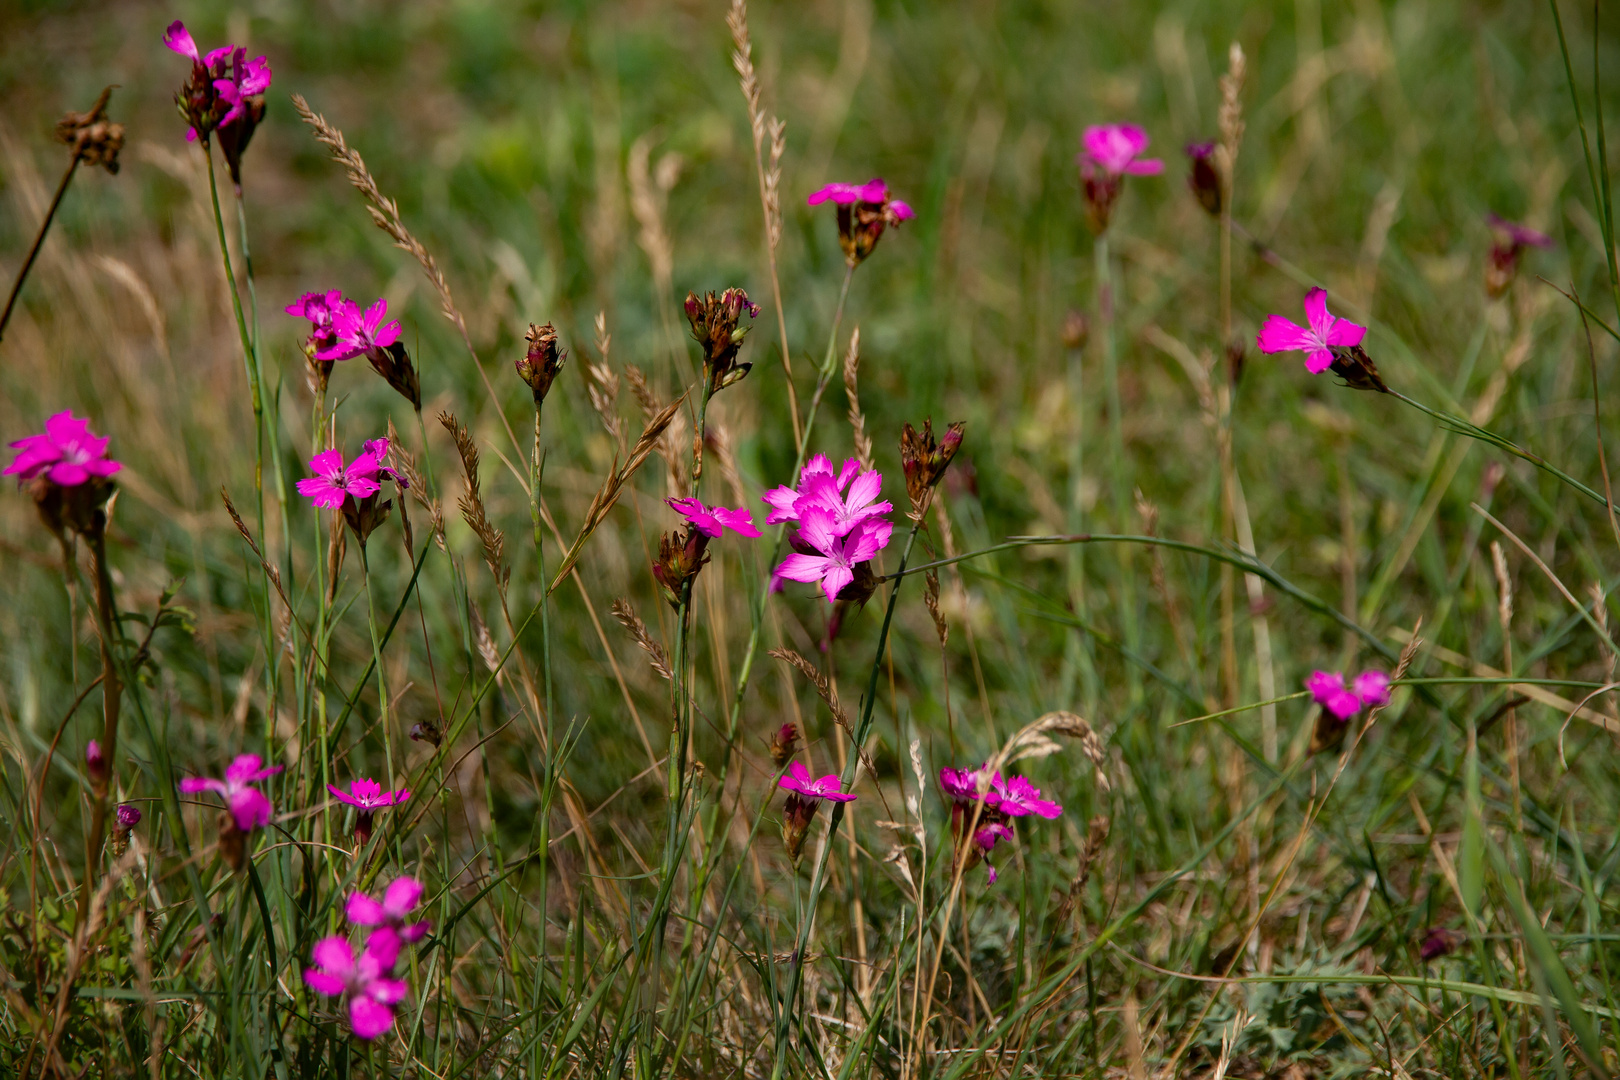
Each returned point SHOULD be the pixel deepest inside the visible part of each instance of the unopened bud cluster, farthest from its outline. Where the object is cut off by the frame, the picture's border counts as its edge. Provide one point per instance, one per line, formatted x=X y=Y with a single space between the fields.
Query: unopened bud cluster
x=716 y=328
x=538 y=367
x=926 y=460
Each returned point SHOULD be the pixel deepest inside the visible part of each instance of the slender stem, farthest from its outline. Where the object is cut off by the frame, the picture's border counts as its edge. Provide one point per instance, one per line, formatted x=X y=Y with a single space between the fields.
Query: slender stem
x=111 y=698
x=832 y=338
x=376 y=659
x=39 y=240
x=863 y=727
x=1118 y=465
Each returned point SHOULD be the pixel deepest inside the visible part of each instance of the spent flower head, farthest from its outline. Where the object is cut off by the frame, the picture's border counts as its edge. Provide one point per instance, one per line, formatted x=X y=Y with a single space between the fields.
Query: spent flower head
x=864 y=211
x=367 y=980
x=95 y=140
x=1203 y=178
x=1108 y=154
x=925 y=461
x=784 y=742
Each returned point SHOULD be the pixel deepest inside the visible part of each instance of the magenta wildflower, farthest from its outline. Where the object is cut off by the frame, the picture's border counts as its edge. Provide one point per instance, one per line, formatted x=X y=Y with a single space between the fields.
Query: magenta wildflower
x=1511 y=240
x=1018 y=798
x=805 y=796
x=249 y=807
x=711 y=520
x=224 y=93
x=67 y=453
x=985 y=838
x=1441 y=941
x=845 y=509
x=783 y=501
x=835 y=558
x=358 y=332
x=333 y=482
x=963 y=786
x=95 y=764
x=1372 y=687
x=367 y=797
x=392 y=911
x=128 y=817
x=321 y=309
x=1369 y=690
x=367 y=980
x=864 y=211
x=1324 y=333
x=1109 y=153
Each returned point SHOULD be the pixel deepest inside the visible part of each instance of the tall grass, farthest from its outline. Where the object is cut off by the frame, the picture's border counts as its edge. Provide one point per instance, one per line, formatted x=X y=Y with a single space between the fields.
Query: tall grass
x=1235 y=886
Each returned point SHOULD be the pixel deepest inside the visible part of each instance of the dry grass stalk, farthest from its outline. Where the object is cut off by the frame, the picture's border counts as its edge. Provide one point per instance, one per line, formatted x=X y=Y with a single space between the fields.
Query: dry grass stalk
x=673 y=446
x=857 y=421
x=824 y=689
x=383 y=210
x=762 y=126
x=1408 y=651
x=405 y=462
x=1231 y=111
x=603 y=384
x=471 y=502
x=1032 y=741
x=484 y=642
x=655 y=652
x=1096 y=836
x=241 y=526
x=648 y=195
x=931 y=601
x=613 y=487
x=725 y=456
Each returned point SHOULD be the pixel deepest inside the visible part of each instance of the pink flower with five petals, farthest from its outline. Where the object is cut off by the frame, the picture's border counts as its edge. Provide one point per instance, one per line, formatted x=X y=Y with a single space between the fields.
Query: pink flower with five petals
x=1324 y=333
x=837 y=555
x=367 y=980
x=1019 y=797
x=360 y=332
x=1117 y=150
x=250 y=807
x=333 y=481
x=799 y=781
x=67 y=453
x=711 y=520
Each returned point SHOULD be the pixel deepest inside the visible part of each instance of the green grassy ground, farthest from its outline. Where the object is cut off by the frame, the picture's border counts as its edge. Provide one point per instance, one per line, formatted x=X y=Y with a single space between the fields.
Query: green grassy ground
x=558 y=161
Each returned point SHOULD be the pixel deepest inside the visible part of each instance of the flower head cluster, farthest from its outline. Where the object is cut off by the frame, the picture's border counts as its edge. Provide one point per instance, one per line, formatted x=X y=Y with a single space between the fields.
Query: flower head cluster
x=1203 y=179
x=367 y=797
x=841 y=527
x=682 y=554
x=717 y=328
x=367 y=979
x=246 y=807
x=353 y=488
x=864 y=211
x=805 y=796
x=539 y=365
x=1108 y=154
x=986 y=803
x=1328 y=342
x=224 y=93
x=1511 y=240
x=340 y=329
x=925 y=461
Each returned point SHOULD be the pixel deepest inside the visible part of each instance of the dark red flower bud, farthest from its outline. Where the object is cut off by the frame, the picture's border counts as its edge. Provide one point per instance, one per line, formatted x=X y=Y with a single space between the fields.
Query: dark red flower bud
x=799 y=814
x=679 y=560
x=925 y=460
x=1205 y=180
x=715 y=326
x=545 y=358
x=1441 y=941
x=783 y=744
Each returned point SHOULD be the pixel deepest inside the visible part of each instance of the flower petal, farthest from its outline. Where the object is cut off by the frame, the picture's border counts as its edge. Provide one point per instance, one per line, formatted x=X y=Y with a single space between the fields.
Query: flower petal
x=1282 y=335
x=324 y=982
x=362 y=910
x=335 y=955
x=797 y=567
x=837 y=577
x=178 y=38
x=403 y=894
x=1318 y=361
x=369 y=1018
x=1316 y=313
x=251 y=808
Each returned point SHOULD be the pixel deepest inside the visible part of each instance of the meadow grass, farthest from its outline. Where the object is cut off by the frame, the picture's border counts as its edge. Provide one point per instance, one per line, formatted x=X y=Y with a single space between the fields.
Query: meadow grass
x=1151 y=536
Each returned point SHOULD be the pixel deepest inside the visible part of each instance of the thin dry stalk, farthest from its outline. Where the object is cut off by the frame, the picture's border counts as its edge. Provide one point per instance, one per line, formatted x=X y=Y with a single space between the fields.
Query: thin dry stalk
x=241 y=527
x=673 y=446
x=405 y=463
x=1504 y=615
x=857 y=421
x=725 y=457
x=603 y=384
x=638 y=630
x=760 y=126
x=471 y=502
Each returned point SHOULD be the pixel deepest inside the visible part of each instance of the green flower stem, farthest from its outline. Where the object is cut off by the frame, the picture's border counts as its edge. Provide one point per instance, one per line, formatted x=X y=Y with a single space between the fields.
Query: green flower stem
x=1119 y=471
x=376 y=660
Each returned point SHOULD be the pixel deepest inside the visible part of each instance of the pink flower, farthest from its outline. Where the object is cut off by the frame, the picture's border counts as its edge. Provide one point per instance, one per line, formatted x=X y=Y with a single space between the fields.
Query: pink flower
x=1372 y=687
x=833 y=565
x=128 y=817
x=1116 y=148
x=367 y=980
x=367 y=795
x=333 y=481
x=1325 y=332
x=359 y=332
x=783 y=500
x=874 y=191
x=221 y=86
x=1018 y=797
x=823 y=492
x=95 y=762
x=392 y=911
x=986 y=836
x=1330 y=692
x=799 y=782
x=1518 y=236
x=67 y=453
x=711 y=520
x=321 y=309
x=962 y=785
x=178 y=38
x=248 y=805
x=243 y=80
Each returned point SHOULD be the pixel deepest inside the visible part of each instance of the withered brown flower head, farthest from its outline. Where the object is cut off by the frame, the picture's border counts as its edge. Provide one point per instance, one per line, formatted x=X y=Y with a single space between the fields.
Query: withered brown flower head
x=715 y=327
x=925 y=460
x=545 y=358
x=1204 y=180
x=1352 y=364
x=679 y=560
x=393 y=363
x=95 y=139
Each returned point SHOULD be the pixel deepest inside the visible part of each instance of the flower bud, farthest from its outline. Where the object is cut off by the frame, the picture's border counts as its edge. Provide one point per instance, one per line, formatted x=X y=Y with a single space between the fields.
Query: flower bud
x=427 y=731
x=925 y=461
x=96 y=764
x=1352 y=364
x=1441 y=941
x=715 y=326
x=393 y=363
x=1101 y=190
x=783 y=744
x=799 y=814
x=1076 y=330
x=125 y=819
x=540 y=365
x=1205 y=180
x=679 y=560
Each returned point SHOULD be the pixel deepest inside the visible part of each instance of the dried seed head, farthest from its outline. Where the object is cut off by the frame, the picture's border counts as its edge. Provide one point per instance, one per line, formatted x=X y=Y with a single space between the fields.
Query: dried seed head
x=426 y=731
x=1352 y=364
x=925 y=460
x=655 y=652
x=95 y=139
x=544 y=359
x=715 y=327
x=1076 y=330
x=394 y=365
